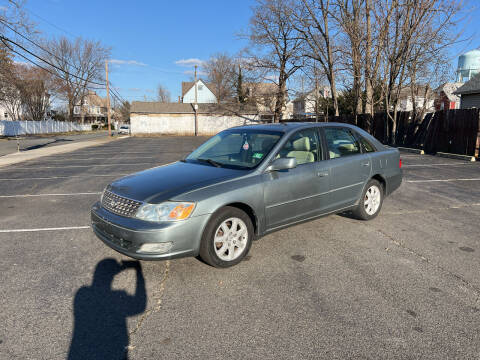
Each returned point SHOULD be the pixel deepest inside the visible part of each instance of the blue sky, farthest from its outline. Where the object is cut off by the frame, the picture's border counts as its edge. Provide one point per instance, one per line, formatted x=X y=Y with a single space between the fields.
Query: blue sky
x=149 y=39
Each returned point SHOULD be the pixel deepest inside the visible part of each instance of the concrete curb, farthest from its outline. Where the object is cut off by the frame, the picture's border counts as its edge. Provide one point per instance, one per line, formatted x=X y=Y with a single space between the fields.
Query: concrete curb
x=19 y=157
x=456 y=156
x=415 y=151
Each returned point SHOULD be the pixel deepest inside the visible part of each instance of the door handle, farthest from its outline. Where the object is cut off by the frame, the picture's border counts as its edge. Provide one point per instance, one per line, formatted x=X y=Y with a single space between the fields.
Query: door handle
x=365 y=164
x=322 y=173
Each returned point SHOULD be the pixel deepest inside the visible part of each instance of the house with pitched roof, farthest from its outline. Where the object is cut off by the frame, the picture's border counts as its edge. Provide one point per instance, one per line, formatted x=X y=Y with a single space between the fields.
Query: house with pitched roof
x=470 y=93
x=445 y=98
x=205 y=92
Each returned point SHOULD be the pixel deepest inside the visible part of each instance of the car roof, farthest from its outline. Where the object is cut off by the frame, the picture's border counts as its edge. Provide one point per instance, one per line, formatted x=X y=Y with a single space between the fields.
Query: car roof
x=290 y=126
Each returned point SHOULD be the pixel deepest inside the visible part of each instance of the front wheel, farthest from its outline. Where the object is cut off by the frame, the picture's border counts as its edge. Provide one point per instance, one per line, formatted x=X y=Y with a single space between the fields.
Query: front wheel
x=227 y=238
x=371 y=201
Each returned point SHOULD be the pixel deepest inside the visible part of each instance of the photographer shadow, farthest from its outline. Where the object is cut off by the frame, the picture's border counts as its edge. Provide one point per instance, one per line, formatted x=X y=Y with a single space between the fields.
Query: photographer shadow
x=100 y=313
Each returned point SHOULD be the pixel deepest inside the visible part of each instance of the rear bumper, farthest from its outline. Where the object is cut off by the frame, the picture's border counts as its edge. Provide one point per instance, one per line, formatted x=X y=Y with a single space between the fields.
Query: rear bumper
x=127 y=235
x=393 y=183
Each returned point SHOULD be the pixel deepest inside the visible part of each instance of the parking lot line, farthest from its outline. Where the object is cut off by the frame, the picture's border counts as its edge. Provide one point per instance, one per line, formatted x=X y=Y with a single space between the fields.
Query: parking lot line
x=65 y=177
x=433 y=165
x=45 y=229
x=45 y=195
x=440 y=180
x=72 y=166
x=107 y=158
x=406 y=212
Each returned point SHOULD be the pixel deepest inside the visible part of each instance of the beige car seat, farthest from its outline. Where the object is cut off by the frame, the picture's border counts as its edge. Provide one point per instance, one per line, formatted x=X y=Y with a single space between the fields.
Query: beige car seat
x=302 y=151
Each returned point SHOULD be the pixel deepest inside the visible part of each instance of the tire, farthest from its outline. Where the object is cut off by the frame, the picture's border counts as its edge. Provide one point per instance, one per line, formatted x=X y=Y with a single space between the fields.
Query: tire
x=371 y=201
x=219 y=253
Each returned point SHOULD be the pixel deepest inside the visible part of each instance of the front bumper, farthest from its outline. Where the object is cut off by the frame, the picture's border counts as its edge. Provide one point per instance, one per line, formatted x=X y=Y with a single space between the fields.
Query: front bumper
x=126 y=235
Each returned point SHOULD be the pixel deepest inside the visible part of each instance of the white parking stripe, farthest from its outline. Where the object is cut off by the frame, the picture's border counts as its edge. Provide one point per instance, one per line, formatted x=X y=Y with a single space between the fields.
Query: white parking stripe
x=45 y=229
x=97 y=158
x=40 y=195
x=433 y=165
x=69 y=166
x=64 y=177
x=440 y=180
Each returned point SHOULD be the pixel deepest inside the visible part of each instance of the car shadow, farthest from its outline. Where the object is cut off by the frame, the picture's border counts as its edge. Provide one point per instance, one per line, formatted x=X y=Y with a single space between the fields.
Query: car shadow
x=100 y=313
x=347 y=214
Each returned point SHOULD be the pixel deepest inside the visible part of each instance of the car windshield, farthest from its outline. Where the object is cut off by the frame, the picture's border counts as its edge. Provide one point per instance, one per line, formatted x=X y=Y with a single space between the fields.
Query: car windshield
x=242 y=149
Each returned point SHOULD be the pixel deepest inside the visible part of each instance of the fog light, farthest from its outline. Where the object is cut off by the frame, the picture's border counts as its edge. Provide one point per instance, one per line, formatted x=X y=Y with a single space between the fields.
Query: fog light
x=155 y=248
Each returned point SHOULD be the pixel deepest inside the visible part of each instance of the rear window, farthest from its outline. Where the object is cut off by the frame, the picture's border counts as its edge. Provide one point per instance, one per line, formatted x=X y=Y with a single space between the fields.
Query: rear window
x=366 y=145
x=341 y=142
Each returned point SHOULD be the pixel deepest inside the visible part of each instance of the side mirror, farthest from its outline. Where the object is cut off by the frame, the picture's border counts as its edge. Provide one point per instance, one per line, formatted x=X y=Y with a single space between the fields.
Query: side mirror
x=282 y=164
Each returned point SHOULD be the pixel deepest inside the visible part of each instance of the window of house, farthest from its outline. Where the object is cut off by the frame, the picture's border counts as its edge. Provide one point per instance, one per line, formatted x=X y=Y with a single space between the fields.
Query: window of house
x=200 y=87
x=341 y=142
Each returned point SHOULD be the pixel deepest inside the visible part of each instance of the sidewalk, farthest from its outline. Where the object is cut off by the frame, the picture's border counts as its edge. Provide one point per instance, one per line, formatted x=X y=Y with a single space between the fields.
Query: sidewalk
x=18 y=157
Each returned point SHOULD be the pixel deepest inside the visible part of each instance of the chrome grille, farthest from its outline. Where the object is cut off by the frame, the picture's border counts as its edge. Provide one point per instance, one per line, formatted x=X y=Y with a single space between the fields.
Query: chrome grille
x=119 y=205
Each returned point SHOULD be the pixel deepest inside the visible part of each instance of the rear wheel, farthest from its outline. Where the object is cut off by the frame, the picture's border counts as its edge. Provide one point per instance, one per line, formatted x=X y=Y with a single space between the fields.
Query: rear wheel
x=227 y=237
x=371 y=201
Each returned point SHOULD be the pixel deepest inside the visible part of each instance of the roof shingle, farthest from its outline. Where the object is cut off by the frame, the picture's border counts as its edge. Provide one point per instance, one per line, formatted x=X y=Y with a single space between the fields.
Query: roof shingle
x=472 y=86
x=141 y=107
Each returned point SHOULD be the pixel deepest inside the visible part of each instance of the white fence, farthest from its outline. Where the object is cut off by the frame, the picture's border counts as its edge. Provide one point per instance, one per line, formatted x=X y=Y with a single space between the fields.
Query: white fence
x=14 y=128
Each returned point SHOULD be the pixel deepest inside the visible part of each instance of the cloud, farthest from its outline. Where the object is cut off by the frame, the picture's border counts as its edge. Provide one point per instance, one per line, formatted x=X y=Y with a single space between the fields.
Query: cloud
x=127 y=62
x=191 y=72
x=189 y=62
x=3 y=8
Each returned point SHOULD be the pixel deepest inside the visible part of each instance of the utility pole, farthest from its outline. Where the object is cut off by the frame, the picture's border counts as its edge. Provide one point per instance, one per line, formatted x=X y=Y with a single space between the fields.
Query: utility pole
x=108 y=99
x=195 y=106
x=316 y=91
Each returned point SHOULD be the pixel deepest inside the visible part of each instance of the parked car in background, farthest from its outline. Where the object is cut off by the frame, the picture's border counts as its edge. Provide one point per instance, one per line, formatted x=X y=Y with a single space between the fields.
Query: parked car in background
x=243 y=183
x=124 y=129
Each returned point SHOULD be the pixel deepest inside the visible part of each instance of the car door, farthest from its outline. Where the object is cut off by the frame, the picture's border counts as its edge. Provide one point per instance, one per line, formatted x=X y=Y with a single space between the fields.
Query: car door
x=349 y=167
x=299 y=193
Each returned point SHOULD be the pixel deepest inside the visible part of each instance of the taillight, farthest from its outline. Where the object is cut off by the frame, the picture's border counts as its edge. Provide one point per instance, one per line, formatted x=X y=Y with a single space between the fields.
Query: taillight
x=400 y=163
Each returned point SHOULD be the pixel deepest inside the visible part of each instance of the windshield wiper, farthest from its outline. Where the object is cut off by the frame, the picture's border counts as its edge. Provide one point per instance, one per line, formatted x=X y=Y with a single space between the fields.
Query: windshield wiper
x=211 y=162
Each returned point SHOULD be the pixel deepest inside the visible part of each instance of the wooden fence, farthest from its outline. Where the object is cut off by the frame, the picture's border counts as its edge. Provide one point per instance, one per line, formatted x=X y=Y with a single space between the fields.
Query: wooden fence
x=452 y=131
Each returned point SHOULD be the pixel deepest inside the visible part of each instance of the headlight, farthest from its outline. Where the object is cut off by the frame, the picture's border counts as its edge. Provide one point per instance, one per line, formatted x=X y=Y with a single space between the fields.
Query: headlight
x=167 y=211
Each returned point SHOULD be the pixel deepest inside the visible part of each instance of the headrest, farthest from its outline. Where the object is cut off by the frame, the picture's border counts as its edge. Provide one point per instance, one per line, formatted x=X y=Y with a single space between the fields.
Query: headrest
x=302 y=144
x=347 y=147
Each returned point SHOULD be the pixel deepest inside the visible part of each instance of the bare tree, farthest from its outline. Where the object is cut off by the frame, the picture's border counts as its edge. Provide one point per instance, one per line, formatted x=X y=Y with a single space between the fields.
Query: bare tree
x=124 y=111
x=313 y=22
x=221 y=74
x=163 y=95
x=79 y=66
x=275 y=45
x=36 y=90
x=10 y=76
x=418 y=31
x=349 y=17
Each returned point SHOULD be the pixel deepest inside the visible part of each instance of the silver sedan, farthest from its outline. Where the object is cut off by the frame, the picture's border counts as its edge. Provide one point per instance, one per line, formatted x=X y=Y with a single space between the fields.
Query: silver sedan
x=243 y=183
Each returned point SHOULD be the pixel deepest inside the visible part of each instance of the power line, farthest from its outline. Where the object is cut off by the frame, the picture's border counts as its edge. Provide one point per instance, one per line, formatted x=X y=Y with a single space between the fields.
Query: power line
x=39 y=46
x=46 y=62
x=37 y=65
x=51 y=24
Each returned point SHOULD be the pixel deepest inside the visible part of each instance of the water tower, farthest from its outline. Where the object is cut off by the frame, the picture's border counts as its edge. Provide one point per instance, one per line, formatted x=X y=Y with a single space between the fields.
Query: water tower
x=468 y=65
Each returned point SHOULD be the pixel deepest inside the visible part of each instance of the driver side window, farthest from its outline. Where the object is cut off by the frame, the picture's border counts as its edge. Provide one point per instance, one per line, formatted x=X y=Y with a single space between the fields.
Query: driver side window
x=303 y=146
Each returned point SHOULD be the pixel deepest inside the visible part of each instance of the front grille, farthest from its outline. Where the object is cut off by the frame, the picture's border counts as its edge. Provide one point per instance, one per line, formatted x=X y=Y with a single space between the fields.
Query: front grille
x=119 y=205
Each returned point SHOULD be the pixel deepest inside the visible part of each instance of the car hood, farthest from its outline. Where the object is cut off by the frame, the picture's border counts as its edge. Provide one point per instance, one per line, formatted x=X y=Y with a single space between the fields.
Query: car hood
x=165 y=182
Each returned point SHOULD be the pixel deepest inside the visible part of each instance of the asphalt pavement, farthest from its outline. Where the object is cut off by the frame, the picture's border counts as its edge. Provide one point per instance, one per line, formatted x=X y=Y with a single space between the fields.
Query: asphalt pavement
x=403 y=286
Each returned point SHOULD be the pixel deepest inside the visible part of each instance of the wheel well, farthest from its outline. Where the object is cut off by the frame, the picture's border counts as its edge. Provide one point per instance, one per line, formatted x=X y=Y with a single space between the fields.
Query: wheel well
x=382 y=181
x=249 y=211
